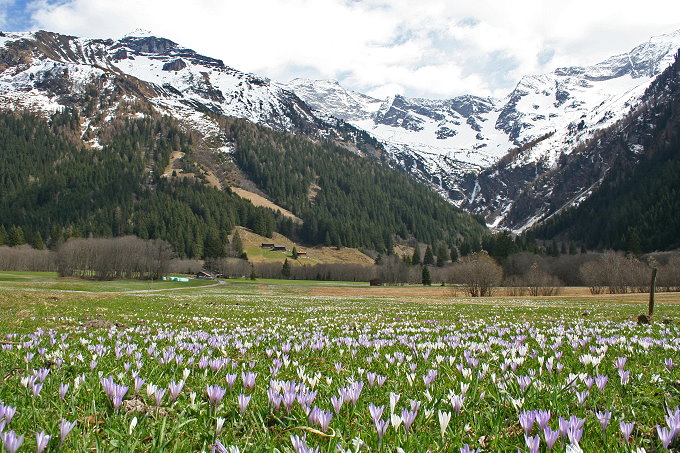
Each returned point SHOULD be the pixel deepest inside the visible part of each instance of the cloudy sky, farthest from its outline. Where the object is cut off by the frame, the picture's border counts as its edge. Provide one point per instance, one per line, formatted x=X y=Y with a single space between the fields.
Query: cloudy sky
x=428 y=48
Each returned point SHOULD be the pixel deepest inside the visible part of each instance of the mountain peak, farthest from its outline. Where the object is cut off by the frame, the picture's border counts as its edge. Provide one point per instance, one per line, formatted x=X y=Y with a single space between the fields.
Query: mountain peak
x=138 y=33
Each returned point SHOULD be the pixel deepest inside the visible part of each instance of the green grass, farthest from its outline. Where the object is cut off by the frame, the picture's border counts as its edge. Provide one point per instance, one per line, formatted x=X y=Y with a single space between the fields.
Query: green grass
x=270 y=255
x=326 y=343
x=50 y=281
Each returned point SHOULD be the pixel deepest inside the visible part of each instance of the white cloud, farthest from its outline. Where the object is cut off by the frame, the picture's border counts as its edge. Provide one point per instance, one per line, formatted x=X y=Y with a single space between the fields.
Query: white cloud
x=435 y=48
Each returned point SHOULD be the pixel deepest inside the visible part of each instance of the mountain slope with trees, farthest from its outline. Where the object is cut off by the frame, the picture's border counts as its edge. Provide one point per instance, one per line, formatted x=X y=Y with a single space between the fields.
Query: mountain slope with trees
x=344 y=199
x=636 y=206
x=54 y=185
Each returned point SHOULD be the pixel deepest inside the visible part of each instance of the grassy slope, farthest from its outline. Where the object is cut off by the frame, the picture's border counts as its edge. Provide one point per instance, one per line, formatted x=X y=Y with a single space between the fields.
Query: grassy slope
x=315 y=255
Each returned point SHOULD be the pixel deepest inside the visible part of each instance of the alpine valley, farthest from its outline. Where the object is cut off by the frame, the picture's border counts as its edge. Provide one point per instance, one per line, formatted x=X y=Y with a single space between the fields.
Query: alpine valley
x=515 y=162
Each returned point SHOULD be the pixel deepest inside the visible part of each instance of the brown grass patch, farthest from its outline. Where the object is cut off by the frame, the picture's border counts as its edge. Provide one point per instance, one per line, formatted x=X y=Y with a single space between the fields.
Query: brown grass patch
x=450 y=292
x=315 y=255
x=261 y=201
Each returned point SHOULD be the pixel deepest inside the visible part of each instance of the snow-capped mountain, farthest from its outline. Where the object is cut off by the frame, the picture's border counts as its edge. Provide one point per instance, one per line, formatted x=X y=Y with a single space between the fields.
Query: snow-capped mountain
x=43 y=70
x=479 y=152
x=544 y=117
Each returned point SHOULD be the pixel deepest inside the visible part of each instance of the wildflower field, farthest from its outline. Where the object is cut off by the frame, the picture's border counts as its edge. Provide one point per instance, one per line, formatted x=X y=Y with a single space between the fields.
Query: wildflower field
x=258 y=367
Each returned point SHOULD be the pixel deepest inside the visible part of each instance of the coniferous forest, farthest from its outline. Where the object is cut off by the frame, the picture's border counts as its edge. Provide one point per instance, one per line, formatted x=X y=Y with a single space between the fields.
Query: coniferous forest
x=55 y=186
x=344 y=199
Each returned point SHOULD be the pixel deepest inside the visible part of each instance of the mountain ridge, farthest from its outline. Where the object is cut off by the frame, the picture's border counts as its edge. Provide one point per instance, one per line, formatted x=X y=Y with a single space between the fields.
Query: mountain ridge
x=553 y=112
x=454 y=145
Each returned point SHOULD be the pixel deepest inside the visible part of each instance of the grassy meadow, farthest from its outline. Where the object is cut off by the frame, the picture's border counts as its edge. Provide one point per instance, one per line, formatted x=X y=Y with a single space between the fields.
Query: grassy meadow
x=289 y=366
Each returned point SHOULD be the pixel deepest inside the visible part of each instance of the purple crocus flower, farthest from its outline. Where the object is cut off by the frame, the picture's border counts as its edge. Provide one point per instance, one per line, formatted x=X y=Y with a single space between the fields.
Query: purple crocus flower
x=601 y=381
x=581 y=397
x=139 y=382
x=63 y=390
x=624 y=375
x=604 y=418
x=11 y=441
x=574 y=433
x=300 y=445
x=381 y=427
x=215 y=394
x=324 y=419
x=65 y=428
x=376 y=411
x=542 y=418
x=41 y=440
x=158 y=395
x=457 y=403
x=526 y=420
x=219 y=447
x=175 y=389
x=533 y=443
x=7 y=412
x=669 y=364
x=673 y=421
x=408 y=417
x=665 y=435
x=563 y=426
x=466 y=449
x=36 y=388
x=626 y=430
x=620 y=362
x=248 y=380
x=231 y=379
x=243 y=402
x=550 y=437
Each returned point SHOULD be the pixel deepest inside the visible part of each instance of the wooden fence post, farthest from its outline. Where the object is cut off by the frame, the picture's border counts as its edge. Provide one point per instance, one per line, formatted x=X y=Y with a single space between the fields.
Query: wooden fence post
x=652 y=289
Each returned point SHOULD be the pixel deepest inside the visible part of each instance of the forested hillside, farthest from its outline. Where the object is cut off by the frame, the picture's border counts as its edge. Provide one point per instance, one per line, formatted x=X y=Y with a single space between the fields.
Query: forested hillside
x=636 y=206
x=344 y=200
x=52 y=187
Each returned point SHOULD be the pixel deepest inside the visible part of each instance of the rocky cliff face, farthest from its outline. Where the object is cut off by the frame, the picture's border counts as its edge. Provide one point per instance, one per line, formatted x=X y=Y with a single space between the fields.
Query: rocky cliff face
x=457 y=145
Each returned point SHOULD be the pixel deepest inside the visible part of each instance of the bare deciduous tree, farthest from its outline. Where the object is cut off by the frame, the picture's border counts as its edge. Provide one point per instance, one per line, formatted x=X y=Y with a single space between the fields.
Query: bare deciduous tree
x=479 y=273
x=108 y=259
x=24 y=258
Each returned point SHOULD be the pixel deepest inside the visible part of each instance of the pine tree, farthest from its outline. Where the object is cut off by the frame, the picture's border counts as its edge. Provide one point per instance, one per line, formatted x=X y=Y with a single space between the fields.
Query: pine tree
x=213 y=247
x=236 y=245
x=454 y=254
x=442 y=254
x=572 y=248
x=3 y=235
x=554 y=249
x=427 y=280
x=415 y=259
x=294 y=254
x=15 y=236
x=465 y=248
x=285 y=269
x=428 y=259
x=37 y=242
